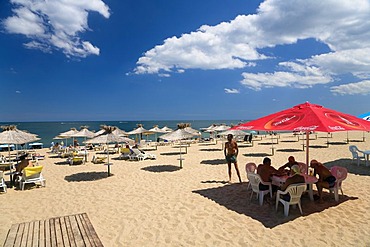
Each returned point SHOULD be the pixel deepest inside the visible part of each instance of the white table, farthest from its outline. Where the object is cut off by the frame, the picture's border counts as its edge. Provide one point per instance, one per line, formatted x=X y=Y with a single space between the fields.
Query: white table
x=367 y=153
x=310 y=180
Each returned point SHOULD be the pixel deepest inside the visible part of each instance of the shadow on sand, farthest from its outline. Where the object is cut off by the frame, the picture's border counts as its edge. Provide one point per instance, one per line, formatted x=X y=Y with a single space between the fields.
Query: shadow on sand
x=289 y=150
x=210 y=149
x=257 y=155
x=86 y=176
x=235 y=197
x=213 y=162
x=351 y=166
x=161 y=168
x=173 y=153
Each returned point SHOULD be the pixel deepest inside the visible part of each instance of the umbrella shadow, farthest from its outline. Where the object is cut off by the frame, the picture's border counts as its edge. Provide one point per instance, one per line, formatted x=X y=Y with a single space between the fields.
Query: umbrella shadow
x=207 y=144
x=213 y=162
x=338 y=143
x=235 y=197
x=318 y=146
x=267 y=143
x=257 y=155
x=214 y=182
x=289 y=141
x=86 y=176
x=210 y=149
x=245 y=145
x=356 y=140
x=61 y=163
x=172 y=153
x=161 y=168
x=288 y=150
x=351 y=166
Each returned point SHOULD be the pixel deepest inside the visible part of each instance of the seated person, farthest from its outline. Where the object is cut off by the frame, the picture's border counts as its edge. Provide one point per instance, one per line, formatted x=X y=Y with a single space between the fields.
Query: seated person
x=325 y=180
x=291 y=162
x=296 y=178
x=266 y=171
x=24 y=162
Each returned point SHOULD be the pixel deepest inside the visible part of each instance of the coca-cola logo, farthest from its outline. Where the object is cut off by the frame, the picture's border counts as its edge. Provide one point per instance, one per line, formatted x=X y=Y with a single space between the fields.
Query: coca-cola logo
x=343 y=121
x=283 y=121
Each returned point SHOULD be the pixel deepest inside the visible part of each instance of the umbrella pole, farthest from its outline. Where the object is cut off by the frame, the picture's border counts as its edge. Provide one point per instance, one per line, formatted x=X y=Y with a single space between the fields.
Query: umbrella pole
x=108 y=161
x=307 y=150
x=347 y=138
x=180 y=156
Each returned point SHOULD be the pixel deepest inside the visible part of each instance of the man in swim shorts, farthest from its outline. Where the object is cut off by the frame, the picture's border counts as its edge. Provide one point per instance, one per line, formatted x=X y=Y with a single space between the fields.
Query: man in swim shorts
x=326 y=179
x=231 y=152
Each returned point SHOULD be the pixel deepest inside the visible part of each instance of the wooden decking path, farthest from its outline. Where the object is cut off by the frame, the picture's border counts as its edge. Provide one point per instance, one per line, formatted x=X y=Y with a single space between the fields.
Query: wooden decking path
x=70 y=230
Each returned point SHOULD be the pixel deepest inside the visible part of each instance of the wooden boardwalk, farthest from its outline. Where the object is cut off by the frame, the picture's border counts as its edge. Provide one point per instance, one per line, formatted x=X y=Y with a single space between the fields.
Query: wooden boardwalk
x=71 y=230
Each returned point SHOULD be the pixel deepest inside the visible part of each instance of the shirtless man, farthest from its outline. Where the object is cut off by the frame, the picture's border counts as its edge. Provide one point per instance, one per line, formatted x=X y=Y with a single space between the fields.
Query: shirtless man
x=231 y=152
x=266 y=171
x=326 y=179
x=291 y=162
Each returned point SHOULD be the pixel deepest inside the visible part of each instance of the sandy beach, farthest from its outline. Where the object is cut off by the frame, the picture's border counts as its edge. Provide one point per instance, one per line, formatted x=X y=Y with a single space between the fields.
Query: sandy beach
x=154 y=203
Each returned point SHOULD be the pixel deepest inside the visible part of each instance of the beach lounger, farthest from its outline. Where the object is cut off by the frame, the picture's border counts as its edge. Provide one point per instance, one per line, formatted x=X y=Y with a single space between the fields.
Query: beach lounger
x=75 y=160
x=31 y=175
x=98 y=160
x=2 y=182
x=139 y=155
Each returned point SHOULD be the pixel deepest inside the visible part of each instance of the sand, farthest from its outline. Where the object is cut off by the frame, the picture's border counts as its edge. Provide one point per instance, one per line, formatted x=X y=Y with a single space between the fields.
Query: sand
x=154 y=203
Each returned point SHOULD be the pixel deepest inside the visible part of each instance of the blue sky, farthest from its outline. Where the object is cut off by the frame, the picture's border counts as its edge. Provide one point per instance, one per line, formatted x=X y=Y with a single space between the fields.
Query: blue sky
x=181 y=60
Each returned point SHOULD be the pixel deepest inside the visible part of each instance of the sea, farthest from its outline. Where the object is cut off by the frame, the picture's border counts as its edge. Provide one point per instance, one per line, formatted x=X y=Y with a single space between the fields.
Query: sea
x=47 y=131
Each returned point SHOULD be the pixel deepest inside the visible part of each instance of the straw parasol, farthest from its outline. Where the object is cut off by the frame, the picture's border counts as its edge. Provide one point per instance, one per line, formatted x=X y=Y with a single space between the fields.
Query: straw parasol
x=11 y=135
x=178 y=135
x=108 y=137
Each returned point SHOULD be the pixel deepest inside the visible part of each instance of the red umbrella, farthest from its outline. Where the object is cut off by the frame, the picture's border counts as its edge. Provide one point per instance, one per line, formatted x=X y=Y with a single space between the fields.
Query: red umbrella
x=307 y=117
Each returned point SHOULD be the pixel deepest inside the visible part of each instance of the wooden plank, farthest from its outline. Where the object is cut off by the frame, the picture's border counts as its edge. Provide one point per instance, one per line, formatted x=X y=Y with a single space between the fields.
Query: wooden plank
x=18 y=239
x=63 y=228
x=12 y=235
x=53 y=237
x=76 y=232
x=41 y=233
x=58 y=232
x=25 y=234
x=92 y=233
x=83 y=231
x=36 y=234
x=70 y=232
x=47 y=234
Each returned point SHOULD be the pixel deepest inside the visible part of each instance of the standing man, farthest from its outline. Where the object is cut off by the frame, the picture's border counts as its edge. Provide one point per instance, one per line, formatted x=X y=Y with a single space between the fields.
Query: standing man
x=231 y=152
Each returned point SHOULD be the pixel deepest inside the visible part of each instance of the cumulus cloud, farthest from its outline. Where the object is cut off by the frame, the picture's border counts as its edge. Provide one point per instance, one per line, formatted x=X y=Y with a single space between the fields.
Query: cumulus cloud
x=231 y=91
x=362 y=87
x=343 y=26
x=55 y=24
x=296 y=75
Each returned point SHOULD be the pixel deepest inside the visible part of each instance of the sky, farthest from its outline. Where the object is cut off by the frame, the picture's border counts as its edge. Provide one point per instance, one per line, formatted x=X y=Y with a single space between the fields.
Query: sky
x=181 y=60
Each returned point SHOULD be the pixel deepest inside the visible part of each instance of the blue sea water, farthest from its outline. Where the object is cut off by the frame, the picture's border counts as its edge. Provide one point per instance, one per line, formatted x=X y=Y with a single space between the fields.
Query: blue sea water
x=48 y=130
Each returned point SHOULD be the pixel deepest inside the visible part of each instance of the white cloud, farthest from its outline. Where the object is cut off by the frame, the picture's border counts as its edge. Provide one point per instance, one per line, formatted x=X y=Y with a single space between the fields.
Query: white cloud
x=55 y=24
x=362 y=87
x=296 y=75
x=231 y=91
x=344 y=26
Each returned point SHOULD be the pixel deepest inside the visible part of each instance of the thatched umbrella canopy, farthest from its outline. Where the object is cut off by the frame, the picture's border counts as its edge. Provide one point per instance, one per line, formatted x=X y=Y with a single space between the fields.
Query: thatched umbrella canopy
x=84 y=132
x=12 y=135
x=117 y=131
x=178 y=135
x=166 y=129
x=108 y=137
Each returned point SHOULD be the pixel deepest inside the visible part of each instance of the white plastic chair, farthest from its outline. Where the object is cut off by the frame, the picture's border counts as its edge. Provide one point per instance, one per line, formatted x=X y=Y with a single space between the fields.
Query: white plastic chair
x=2 y=181
x=356 y=154
x=255 y=180
x=32 y=175
x=295 y=191
x=250 y=168
x=340 y=173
